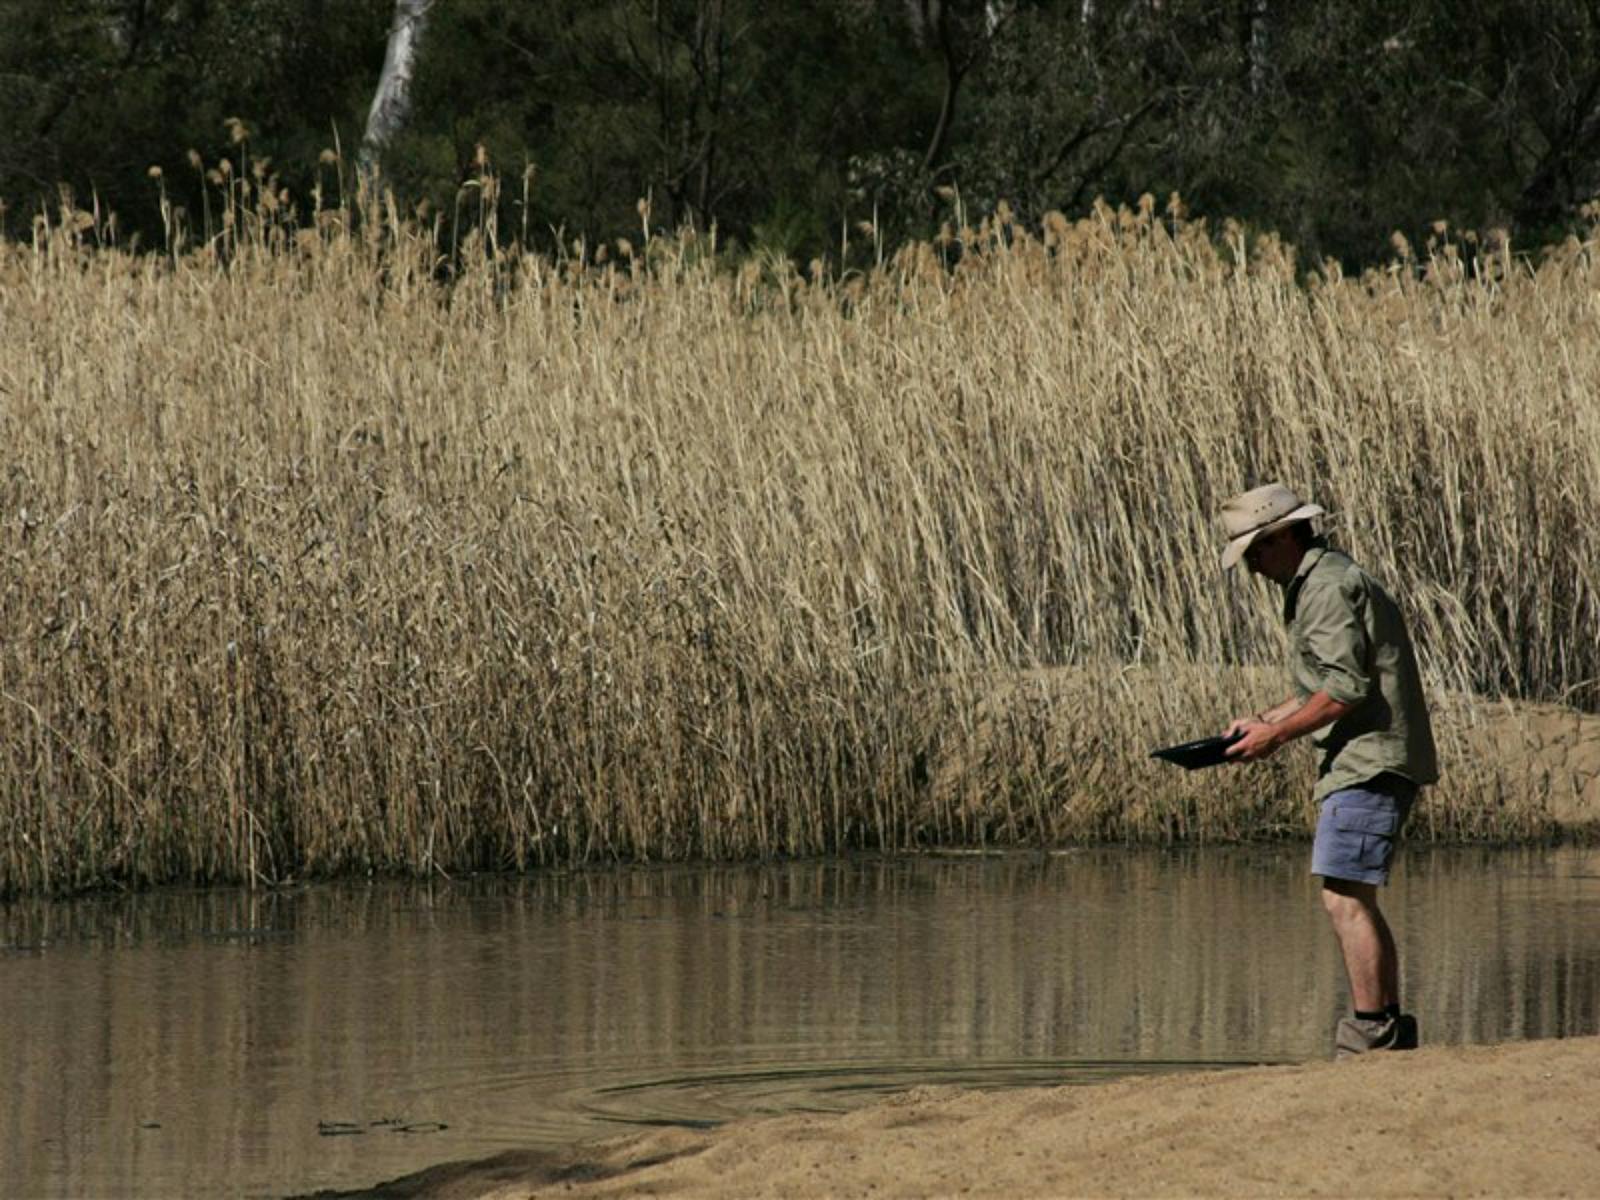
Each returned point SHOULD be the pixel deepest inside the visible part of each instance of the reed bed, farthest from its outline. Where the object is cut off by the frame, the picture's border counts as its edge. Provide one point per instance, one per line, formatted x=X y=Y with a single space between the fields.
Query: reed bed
x=337 y=547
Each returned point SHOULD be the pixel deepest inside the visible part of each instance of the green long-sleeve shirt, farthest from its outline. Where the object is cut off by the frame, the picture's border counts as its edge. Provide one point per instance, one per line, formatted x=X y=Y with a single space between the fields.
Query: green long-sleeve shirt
x=1348 y=639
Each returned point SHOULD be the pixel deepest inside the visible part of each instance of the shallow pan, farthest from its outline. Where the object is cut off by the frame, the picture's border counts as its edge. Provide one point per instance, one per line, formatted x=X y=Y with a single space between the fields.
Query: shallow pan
x=1202 y=752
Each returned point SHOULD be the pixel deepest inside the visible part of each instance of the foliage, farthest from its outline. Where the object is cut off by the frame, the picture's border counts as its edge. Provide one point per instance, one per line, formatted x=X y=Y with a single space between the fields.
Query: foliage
x=95 y=92
x=792 y=125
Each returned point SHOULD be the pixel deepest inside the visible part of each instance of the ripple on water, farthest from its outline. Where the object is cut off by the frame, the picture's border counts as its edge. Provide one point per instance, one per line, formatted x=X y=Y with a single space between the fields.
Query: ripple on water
x=583 y=1105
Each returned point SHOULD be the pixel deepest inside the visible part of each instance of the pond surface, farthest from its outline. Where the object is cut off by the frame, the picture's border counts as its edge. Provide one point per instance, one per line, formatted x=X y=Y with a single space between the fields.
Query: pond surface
x=268 y=1043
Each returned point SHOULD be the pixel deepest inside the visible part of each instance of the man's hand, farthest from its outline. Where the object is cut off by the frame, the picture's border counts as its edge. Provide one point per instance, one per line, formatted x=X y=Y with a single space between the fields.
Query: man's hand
x=1265 y=732
x=1258 y=740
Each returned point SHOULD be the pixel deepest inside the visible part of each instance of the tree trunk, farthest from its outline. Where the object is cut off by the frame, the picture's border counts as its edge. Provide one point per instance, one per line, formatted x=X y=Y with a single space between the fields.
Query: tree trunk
x=391 y=103
x=1565 y=173
x=1256 y=46
x=938 y=21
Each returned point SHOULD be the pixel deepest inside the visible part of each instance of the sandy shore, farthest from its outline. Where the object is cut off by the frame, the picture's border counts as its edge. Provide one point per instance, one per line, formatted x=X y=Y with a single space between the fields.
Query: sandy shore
x=1522 y=1120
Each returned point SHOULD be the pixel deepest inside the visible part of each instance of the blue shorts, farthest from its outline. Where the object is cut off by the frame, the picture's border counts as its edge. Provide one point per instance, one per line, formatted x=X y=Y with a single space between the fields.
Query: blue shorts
x=1358 y=828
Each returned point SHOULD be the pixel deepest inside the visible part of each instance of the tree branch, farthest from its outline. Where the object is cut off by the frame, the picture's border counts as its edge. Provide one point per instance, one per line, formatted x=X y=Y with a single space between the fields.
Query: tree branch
x=1105 y=160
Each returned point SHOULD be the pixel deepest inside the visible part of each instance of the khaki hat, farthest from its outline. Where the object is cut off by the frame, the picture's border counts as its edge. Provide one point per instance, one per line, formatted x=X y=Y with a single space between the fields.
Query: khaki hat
x=1261 y=510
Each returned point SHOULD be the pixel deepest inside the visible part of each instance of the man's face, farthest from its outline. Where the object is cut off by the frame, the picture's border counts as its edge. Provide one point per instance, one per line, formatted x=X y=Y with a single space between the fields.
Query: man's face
x=1276 y=555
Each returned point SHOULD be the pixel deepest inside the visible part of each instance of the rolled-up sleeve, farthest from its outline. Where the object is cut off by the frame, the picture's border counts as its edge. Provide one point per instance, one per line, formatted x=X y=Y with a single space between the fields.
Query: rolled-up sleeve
x=1334 y=646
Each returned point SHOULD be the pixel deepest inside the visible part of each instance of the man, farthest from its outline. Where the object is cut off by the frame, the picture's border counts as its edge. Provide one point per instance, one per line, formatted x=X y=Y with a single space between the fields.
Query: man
x=1359 y=697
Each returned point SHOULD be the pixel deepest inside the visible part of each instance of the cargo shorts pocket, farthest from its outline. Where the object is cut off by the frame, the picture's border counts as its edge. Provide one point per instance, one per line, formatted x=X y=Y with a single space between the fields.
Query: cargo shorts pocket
x=1383 y=822
x=1367 y=834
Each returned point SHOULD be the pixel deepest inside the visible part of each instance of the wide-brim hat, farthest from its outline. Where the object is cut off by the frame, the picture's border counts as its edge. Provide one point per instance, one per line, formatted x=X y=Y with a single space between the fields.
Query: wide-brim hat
x=1260 y=511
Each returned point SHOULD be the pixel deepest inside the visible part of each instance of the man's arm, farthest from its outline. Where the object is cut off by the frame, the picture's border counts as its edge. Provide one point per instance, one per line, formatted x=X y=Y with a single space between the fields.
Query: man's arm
x=1267 y=716
x=1284 y=723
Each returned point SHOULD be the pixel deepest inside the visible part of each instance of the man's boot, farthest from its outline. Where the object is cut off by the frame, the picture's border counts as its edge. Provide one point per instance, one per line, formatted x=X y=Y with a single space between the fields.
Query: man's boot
x=1359 y=1035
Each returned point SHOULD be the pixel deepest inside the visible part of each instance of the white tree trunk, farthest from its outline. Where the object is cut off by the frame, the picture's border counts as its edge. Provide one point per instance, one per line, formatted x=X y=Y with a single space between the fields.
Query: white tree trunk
x=1258 y=47
x=391 y=104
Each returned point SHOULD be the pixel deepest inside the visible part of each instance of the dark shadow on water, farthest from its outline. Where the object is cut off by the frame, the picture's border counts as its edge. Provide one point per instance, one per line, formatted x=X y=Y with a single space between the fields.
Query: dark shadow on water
x=529 y=1168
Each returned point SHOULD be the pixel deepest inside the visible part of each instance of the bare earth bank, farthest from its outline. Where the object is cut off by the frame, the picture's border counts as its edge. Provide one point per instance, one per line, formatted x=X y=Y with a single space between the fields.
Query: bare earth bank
x=1521 y=1119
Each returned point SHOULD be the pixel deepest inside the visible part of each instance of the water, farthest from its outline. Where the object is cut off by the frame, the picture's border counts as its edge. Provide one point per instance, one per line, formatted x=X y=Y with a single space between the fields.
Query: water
x=233 y=1043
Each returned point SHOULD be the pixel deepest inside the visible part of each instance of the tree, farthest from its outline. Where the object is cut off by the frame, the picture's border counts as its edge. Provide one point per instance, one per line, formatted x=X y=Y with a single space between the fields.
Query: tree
x=726 y=111
x=1078 y=100
x=789 y=125
x=95 y=92
x=960 y=35
x=391 y=102
x=1537 y=80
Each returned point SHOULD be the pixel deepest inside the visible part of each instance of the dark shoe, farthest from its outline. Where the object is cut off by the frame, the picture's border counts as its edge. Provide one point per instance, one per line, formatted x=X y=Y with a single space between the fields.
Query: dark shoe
x=1356 y=1035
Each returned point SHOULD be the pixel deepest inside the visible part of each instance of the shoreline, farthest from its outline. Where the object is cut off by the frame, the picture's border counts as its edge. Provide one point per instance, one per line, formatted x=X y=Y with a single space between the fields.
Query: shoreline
x=1514 y=1119
x=1581 y=833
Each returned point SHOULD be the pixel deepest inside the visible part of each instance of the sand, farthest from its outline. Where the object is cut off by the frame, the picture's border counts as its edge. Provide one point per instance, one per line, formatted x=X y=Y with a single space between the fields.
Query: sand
x=1516 y=1120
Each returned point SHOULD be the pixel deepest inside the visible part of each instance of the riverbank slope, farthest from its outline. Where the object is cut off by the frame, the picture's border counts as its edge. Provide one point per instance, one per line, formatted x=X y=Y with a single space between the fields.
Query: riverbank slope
x=1518 y=1119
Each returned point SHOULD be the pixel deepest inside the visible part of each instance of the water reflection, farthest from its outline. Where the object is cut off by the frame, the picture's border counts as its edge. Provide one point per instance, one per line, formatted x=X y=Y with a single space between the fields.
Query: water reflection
x=185 y=1043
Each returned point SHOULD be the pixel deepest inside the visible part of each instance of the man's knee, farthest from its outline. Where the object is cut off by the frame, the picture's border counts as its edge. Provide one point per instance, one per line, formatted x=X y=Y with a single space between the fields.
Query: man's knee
x=1345 y=898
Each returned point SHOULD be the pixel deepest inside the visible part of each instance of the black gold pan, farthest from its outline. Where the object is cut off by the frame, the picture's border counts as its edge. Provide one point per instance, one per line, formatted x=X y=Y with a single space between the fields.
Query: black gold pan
x=1202 y=752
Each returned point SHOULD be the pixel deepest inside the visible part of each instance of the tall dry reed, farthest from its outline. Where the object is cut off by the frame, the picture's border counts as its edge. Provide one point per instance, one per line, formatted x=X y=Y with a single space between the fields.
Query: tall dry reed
x=343 y=546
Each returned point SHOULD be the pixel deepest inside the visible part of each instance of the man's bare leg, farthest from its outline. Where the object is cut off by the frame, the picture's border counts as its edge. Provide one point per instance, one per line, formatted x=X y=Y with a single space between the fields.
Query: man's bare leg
x=1370 y=958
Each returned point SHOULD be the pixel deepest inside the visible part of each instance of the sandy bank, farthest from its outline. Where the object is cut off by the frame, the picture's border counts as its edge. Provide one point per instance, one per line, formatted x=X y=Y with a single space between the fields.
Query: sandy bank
x=1521 y=1119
